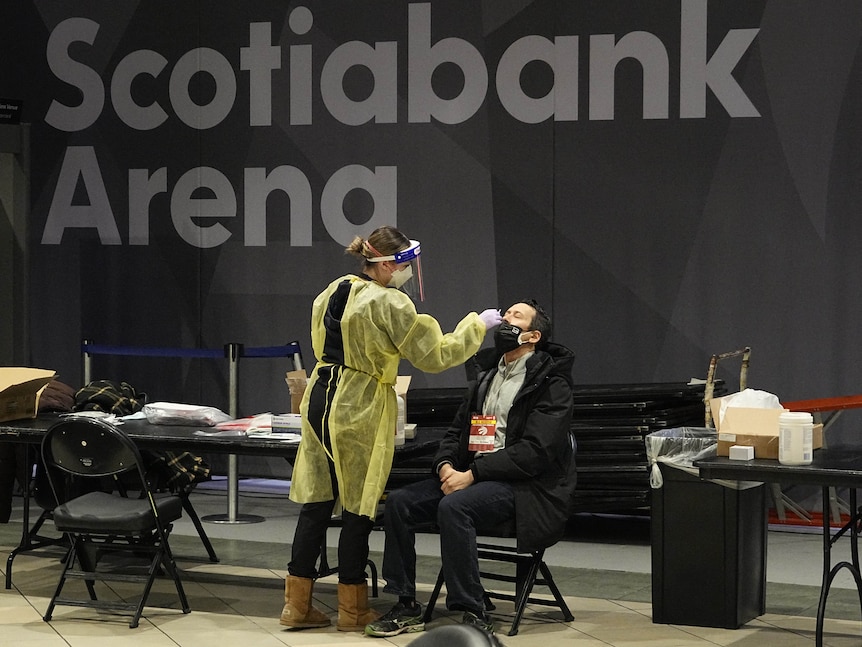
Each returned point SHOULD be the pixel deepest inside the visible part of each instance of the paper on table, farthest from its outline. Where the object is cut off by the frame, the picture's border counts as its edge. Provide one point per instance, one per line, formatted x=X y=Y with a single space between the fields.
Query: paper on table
x=223 y=432
x=101 y=415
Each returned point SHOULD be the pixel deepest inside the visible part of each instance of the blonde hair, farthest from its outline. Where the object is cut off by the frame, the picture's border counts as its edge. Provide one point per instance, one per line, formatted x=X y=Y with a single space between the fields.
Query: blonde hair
x=383 y=241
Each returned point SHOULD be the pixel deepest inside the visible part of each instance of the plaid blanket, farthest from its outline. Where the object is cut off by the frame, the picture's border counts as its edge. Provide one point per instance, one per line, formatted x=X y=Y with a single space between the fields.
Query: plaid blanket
x=174 y=471
x=119 y=398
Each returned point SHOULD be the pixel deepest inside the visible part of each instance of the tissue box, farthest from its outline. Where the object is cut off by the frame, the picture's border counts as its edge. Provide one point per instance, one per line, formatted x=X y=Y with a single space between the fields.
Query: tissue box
x=20 y=389
x=756 y=428
x=286 y=423
x=741 y=452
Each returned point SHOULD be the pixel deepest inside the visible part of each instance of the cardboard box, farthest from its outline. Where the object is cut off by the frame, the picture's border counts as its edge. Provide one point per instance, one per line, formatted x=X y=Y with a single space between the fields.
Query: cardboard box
x=20 y=389
x=296 y=383
x=756 y=428
x=402 y=384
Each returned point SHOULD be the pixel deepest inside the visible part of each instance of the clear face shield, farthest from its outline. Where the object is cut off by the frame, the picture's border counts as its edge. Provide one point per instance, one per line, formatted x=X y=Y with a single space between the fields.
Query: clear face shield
x=408 y=276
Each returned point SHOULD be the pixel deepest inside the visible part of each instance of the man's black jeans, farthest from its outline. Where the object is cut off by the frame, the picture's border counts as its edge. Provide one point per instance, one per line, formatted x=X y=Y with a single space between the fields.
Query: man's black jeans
x=484 y=504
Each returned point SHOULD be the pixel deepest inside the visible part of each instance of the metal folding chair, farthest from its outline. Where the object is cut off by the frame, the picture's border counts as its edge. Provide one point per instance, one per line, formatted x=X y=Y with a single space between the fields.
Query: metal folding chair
x=78 y=452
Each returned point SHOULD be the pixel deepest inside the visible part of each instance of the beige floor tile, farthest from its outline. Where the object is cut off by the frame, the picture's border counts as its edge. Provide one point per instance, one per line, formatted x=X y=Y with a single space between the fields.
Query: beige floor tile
x=246 y=633
x=627 y=628
x=236 y=603
x=550 y=636
x=84 y=628
x=28 y=631
x=228 y=570
x=328 y=637
x=15 y=609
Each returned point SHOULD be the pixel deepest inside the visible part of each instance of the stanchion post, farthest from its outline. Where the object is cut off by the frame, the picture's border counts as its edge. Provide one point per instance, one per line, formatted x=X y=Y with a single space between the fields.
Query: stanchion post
x=233 y=352
x=88 y=362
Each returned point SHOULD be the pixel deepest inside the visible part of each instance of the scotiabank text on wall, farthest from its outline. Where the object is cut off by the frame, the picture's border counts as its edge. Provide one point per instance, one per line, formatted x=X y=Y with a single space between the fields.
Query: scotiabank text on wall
x=198 y=221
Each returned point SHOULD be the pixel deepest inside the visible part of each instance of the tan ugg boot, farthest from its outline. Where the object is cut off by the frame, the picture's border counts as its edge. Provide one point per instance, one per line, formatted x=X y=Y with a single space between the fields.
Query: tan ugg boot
x=353 y=610
x=298 y=612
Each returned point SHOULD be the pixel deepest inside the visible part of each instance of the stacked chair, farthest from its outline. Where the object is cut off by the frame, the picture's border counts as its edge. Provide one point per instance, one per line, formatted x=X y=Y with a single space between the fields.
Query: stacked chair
x=610 y=423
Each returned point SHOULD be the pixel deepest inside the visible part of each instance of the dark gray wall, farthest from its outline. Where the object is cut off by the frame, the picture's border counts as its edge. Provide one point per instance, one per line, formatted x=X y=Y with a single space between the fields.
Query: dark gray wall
x=672 y=179
x=14 y=245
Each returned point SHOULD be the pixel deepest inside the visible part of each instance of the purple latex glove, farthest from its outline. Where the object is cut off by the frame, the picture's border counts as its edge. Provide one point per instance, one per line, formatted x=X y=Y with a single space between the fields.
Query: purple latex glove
x=490 y=317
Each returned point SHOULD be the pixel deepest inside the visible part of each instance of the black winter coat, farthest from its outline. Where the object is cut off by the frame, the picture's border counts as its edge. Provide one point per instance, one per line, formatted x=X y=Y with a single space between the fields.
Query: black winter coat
x=539 y=456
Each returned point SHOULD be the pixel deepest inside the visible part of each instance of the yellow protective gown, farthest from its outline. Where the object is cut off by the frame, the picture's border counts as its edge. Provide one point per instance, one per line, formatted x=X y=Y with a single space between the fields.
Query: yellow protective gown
x=380 y=326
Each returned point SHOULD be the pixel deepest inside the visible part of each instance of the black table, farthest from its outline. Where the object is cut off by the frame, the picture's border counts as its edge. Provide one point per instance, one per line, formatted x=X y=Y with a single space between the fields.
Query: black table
x=185 y=438
x=160 y=437
x=833 y=467
x=411 y=461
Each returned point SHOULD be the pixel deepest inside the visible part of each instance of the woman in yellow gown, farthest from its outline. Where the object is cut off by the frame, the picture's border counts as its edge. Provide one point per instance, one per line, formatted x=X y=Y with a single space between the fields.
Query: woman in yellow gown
x=361 y=328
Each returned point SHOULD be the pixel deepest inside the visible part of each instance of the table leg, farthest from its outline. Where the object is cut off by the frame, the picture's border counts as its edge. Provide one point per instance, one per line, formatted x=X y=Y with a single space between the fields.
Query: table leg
x=855 y=520
x=829 y=571
x=25 y=533
x=233 y=515
x=30 y=537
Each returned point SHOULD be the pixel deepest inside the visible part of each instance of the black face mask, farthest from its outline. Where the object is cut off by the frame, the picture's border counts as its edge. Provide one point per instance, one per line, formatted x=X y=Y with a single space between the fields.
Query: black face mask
x=507 y=337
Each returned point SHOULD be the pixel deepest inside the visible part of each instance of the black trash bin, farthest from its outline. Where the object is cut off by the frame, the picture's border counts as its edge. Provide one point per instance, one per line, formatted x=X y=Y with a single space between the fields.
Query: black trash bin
x=708 y=547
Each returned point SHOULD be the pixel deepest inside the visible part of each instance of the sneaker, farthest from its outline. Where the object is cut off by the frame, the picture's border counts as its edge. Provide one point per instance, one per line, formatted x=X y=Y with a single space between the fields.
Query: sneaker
x=400 y=619
x=482 y=621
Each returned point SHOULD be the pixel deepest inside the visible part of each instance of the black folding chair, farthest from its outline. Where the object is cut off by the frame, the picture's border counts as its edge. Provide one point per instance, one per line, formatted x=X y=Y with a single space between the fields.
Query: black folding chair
x=530 y=570
x=79 y=450
x=530 y=567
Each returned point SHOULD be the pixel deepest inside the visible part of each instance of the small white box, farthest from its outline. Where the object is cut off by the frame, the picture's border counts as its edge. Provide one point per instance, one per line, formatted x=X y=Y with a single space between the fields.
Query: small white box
x=741 y=452
x=410 y=430
x=290 y=423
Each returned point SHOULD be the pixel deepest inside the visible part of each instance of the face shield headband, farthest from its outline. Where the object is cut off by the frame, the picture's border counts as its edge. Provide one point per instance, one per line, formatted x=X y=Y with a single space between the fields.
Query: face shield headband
x=407 y=279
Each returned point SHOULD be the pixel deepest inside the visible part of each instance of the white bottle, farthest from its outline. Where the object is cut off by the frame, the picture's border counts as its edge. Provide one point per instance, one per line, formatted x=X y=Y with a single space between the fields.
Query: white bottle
x=399 y=421
x=795 y=438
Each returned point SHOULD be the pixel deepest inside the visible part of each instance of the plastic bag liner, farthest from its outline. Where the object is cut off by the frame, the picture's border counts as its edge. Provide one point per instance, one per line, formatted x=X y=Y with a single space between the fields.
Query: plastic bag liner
x=680 y=448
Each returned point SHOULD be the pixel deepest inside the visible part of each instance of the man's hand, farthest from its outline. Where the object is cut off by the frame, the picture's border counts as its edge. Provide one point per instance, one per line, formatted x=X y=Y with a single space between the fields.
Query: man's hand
x=451 y=480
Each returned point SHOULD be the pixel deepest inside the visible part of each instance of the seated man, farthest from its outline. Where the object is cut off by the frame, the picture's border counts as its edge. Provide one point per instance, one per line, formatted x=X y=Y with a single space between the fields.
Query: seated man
x=509 y=454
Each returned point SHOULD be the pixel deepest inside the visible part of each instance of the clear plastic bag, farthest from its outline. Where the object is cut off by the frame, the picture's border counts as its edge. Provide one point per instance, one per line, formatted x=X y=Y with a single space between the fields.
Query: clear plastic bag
x=192 y=415
x=679 y=447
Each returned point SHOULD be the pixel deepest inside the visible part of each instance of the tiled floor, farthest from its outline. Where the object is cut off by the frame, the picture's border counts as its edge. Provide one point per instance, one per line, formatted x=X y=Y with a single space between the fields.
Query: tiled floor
x=602 y=568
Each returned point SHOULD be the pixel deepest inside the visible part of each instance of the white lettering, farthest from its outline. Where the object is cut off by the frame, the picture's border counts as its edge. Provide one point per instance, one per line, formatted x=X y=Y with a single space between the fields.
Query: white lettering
x=143 y=187
x=300 y=85
x=381 y=184
x=423 y=58
x=300 y=22
x=203 y=194
x=80 y=163
x=260 y=58
x=258 y=186
x=185 y=209
x=196 y=61
x=382 y=104
x=696 y=73
x=562 y=56
x=604 y=57
x=136 y=64
x=87 y=80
